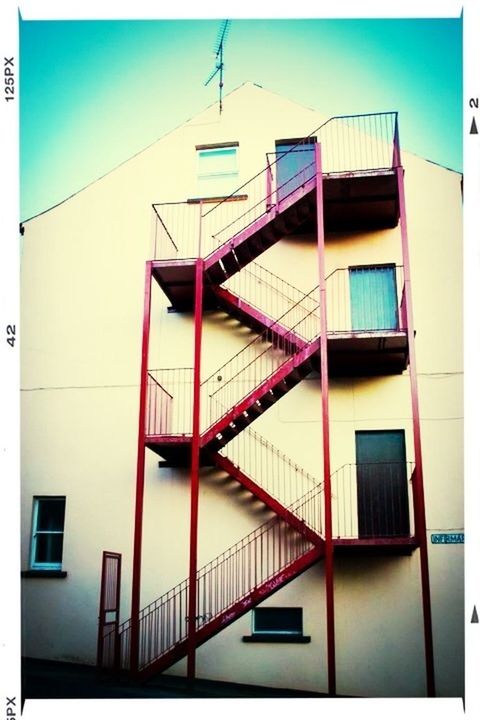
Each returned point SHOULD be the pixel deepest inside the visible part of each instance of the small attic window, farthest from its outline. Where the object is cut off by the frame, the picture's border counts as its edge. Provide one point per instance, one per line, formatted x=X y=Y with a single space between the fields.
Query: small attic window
x=217 y=169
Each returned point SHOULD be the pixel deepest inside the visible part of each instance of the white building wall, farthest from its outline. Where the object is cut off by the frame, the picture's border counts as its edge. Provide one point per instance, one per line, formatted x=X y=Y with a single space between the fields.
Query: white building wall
x=82 y=306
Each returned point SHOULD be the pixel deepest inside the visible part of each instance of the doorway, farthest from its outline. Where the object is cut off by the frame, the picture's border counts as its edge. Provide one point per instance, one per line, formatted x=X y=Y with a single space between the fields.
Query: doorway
x=382 y=484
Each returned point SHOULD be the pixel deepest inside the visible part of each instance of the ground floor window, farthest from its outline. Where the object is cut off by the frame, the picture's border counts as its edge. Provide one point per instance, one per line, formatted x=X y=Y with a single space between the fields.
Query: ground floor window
x=47 y=533
x=277 y=624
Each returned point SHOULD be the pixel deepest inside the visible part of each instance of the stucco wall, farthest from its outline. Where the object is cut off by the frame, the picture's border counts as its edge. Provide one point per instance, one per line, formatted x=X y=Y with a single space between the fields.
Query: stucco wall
x=82 y=305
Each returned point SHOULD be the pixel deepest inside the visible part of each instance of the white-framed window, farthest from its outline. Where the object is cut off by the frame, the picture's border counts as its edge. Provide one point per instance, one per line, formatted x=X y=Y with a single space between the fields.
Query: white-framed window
x=48 y=522
x=217 y=169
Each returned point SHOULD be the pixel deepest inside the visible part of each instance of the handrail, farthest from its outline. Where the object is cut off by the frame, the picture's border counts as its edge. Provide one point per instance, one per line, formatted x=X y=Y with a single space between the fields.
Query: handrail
x=269 y=327
x=268 y=467
x=300 y=142
x=351 y=144
x=249 y=563
x=372 y=499
x=287 y=348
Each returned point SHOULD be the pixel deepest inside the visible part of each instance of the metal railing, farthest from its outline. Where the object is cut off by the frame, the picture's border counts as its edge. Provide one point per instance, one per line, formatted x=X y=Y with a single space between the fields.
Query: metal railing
x=372 y=500
x=270 y=549
x=169 y=402
x=351 y=145
x=359 y=143
x=375 y=308
x=262 y=357
x=267 y=292
x=269 y=467
x=232 y=576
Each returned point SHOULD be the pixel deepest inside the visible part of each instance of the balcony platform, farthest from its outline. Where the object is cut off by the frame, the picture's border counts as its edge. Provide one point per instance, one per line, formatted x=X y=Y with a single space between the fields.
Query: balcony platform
x=357 y=354
x=177 y=280
x=375 y=546
x=361 y=201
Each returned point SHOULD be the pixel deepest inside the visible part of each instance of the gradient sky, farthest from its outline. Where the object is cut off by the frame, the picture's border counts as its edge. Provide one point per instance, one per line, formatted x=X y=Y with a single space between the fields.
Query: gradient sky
x=93 y=93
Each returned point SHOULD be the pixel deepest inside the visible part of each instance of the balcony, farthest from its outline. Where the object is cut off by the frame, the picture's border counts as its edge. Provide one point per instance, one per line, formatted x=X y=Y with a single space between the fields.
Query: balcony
x=360 y=155
x=372 y=507
x=366 y=319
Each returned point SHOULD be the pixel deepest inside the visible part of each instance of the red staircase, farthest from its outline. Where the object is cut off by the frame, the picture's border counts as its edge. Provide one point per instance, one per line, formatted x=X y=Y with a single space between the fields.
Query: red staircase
x=228 y=587
x=233 y=234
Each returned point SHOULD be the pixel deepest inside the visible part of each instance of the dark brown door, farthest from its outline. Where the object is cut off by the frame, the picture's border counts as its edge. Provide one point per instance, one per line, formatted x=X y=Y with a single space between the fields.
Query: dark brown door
x=382 y=489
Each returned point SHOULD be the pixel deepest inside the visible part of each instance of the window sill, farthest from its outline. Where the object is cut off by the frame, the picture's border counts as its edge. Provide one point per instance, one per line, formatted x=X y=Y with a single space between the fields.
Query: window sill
x=43 y=574
x=216 y=199
x=276 y=638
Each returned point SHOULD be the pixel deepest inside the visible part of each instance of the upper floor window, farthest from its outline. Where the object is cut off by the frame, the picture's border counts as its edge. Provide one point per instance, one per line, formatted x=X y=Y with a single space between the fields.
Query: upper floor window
x=217 y=169
x=47 y=533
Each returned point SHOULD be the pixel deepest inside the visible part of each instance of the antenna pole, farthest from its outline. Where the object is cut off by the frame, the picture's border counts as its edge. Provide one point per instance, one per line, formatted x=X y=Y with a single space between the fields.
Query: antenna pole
x=221 y=38
x=221 y=76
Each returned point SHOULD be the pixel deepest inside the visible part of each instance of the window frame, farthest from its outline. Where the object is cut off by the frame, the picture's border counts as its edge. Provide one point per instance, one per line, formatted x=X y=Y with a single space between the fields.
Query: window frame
x=215 y=177
x=280 y=634
x=34 y=564
x=279 y=630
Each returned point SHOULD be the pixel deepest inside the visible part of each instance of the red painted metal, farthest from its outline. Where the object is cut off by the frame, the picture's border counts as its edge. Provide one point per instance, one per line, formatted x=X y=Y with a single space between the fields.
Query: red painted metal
x=269 y=203
x=108 y=644
x=418 y=490
x=261 y=390
x=280 y=510
x=329 y=589
x=140 y=480
x=352 y=144
x=194 y=611
x=392 y=504
x=229 y=585
x=250 y=314
x=376 y=542
x=254 y=228
x=396 y=160
x=194 y=487
x=242 y=606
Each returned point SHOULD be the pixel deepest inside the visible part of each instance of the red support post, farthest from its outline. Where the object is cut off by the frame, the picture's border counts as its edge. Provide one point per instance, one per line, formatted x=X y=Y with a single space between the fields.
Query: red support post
x=195 y=468
x=329 y=589
x=396 y=160
x=140 y=482
x=269 y=185
x=418 y=491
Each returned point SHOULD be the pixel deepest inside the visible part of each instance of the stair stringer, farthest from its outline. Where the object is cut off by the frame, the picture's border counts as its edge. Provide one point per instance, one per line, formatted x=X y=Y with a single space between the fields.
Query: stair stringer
x=230 y=256
x=234 y=612
x=294 y=520
x=297 y=363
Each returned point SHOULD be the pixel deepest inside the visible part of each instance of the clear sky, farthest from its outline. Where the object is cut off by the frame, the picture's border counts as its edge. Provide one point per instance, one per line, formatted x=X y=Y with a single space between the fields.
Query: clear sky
x=93 y=93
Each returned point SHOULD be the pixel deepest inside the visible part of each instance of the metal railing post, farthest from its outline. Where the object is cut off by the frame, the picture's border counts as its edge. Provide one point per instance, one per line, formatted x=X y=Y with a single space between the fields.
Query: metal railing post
x=140 y=481
x=418 y=490
x=195 y=469
x=329 y=590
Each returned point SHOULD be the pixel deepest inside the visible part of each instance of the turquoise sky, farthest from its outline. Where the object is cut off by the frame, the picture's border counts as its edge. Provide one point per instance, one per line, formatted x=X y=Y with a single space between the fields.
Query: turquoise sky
x=93 y=93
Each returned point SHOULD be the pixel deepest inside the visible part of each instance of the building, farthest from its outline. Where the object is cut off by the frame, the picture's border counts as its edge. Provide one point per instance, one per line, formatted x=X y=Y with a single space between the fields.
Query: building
x=326 y=438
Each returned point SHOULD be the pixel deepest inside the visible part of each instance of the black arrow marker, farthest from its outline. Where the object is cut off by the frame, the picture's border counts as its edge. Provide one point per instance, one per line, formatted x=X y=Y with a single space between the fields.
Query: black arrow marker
x=473 y=128
x=474 y=615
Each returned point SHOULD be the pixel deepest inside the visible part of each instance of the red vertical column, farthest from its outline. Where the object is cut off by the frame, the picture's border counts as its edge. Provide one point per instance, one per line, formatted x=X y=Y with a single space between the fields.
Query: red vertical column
x=329 y=590
x=195 y=469
x=418 y=492
x=140 y=482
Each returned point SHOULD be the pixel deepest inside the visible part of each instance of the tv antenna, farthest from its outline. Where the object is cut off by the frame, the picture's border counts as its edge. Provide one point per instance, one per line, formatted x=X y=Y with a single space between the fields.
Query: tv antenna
x=218 y=52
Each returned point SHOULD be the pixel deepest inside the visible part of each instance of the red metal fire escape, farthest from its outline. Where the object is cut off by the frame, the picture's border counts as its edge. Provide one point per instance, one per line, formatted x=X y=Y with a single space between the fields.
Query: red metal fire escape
x=348 y=176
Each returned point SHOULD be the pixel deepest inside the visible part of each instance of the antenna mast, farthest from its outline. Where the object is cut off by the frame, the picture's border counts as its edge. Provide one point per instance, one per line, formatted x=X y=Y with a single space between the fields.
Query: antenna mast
x=218 y=52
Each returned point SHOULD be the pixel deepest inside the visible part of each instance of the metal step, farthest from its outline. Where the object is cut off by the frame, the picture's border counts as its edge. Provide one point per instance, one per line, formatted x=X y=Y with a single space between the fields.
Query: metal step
x=230 y=263
x=216 y=274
